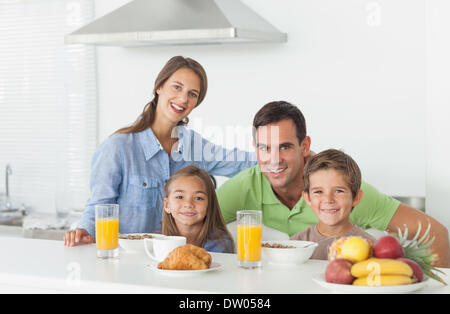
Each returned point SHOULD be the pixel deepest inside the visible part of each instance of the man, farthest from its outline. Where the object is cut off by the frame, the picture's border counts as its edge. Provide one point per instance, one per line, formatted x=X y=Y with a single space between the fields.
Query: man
x=275 y=185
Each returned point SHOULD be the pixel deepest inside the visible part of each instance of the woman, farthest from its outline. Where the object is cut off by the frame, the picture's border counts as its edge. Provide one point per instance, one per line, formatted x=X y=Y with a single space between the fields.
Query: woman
x=131 y=167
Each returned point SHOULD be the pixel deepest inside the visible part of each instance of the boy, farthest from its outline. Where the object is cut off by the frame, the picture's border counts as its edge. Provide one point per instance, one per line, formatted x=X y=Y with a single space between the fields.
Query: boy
x=332 y=182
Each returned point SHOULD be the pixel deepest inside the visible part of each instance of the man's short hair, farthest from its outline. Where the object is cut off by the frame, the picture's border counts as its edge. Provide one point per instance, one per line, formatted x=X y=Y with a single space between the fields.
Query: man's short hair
x=280 y=110
x=336 y=160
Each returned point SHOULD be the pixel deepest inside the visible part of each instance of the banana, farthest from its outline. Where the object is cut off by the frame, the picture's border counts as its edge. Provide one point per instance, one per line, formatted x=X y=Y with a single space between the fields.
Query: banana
x=383 y=280
x=381 y=266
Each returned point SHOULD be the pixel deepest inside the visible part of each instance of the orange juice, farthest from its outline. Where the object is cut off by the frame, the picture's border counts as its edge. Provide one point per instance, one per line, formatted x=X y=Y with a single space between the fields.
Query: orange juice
x=107 y=233
x=249 y=243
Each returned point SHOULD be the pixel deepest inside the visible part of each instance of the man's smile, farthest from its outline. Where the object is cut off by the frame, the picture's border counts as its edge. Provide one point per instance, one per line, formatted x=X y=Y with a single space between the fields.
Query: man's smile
x=275 y=170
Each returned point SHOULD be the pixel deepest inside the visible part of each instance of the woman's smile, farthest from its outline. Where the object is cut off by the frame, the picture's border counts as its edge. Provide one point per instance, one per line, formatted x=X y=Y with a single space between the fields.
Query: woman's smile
x=177 y=108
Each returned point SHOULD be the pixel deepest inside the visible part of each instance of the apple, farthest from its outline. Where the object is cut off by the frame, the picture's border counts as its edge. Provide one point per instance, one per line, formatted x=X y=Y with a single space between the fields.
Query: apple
x=417 y=270
x=388 y=247
x=339 y=271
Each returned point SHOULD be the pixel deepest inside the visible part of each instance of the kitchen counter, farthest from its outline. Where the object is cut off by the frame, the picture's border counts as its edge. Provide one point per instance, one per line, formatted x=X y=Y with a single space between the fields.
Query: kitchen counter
x=41 y=226
x=11 y=231
x=42 y=266
x=20 y=232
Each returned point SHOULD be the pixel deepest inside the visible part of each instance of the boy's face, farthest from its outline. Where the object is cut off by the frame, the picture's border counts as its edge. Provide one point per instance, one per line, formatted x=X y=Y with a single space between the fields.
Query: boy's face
x=330 y=197
x=187 y=201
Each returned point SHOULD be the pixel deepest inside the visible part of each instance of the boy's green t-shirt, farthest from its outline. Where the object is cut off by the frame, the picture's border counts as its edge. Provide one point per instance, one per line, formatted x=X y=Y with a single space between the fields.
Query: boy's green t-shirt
x=251 y=190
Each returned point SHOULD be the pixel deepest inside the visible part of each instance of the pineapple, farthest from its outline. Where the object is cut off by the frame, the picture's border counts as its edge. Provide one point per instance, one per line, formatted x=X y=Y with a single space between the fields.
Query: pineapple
x=418 y=251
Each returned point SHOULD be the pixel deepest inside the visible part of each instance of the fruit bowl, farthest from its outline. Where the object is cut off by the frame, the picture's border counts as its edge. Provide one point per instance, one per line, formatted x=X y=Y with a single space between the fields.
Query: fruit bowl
x=287 y=251
x=339 y=288
x=134 y=242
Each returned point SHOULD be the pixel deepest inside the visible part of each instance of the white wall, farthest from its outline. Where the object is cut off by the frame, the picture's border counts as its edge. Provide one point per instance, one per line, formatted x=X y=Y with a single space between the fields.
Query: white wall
x=356 y=68
x=438 y=110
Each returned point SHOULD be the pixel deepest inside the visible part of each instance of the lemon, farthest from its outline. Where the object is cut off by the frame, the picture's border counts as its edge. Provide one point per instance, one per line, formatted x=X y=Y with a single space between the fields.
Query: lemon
x=355 y=249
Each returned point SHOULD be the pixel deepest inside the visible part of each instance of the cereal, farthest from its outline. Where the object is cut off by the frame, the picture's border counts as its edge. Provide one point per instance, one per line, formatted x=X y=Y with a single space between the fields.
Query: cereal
x=135 y=236
x=277 y=246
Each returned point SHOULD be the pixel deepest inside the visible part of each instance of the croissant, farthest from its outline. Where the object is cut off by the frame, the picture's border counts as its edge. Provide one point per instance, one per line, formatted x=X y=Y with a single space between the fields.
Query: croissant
x=187 y=257
x=200 y=253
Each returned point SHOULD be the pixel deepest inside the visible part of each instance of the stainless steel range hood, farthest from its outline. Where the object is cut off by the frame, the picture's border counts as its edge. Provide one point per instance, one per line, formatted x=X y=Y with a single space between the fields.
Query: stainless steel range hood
x=180 y=22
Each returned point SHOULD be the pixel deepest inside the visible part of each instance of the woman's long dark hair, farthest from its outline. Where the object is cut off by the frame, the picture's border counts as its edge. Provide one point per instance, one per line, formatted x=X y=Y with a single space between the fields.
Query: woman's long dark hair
x=145 y=120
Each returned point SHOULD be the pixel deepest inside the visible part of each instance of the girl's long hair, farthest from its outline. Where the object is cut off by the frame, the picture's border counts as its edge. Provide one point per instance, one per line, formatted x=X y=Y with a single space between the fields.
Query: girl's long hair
x=145 y=120
x=214 y=227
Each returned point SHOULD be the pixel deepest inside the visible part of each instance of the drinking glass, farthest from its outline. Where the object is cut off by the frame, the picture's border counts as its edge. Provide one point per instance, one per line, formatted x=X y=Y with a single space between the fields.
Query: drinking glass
x=107 y=230
x=248 y=234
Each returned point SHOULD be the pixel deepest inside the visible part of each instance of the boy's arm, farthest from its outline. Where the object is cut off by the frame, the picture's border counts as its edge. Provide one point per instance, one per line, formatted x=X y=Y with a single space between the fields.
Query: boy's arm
x=409 y=216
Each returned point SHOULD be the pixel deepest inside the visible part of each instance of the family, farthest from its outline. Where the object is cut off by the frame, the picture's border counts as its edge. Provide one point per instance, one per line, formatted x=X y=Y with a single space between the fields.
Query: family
x=155 y=169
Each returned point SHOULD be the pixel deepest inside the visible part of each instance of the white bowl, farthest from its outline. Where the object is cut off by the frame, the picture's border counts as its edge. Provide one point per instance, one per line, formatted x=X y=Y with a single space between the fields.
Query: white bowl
x=301 y=252
x=135 y=246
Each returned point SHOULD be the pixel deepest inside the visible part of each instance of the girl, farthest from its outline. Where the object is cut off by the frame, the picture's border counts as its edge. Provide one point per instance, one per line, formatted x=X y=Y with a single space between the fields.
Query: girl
x=191 y=210
x=130 y=167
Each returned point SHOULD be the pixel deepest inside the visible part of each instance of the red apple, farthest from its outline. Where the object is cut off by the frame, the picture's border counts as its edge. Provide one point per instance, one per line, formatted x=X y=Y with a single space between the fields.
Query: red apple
x=388 y=247
x=417 y=270
x=339 y=271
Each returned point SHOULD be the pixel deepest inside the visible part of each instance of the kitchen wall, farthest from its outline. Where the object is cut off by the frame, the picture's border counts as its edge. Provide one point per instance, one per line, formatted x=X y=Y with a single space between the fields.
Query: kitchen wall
x=355 y=68
x=438 y=110
x=370 y=76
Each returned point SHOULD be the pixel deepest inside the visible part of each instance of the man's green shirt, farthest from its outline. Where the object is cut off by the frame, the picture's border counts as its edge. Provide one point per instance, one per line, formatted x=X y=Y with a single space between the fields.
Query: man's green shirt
x=251 y=190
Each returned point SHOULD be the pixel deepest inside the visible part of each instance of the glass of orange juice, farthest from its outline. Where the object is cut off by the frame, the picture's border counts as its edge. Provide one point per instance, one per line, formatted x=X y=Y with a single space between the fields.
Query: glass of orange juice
x=248 y=238
x=107 y=230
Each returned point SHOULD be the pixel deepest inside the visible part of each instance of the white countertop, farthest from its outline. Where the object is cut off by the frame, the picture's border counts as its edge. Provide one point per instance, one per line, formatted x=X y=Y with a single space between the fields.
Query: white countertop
x=29 y=265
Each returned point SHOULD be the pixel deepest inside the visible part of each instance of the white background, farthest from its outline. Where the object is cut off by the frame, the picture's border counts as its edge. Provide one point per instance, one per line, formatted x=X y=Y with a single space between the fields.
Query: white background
x=371 y=78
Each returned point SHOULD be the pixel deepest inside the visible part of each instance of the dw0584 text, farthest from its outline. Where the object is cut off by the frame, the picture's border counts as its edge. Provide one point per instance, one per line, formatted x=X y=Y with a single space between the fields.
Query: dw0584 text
x=246 y=303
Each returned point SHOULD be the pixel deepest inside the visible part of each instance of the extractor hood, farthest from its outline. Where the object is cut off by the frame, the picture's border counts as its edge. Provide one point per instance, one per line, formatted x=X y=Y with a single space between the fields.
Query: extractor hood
x=180 y=22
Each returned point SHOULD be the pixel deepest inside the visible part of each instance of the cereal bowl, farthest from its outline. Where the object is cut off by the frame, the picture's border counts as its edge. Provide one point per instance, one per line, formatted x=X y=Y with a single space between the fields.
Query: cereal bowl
x=134 y=242
x=287 y=251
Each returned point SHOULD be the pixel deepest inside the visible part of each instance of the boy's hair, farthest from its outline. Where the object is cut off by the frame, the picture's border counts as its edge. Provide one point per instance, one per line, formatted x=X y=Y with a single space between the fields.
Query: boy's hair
x=214 y=226
x=336 y=160
x=276 y=111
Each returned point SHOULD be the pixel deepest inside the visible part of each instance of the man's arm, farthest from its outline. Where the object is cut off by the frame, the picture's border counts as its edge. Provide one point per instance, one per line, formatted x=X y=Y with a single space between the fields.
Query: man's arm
x=240 y=192
x=229 y=198
x=409 y=216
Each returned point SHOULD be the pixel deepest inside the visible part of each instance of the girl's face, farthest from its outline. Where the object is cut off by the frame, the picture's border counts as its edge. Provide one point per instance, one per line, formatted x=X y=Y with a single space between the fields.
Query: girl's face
x=178 y=95
x=187 y=201
x=330 y=197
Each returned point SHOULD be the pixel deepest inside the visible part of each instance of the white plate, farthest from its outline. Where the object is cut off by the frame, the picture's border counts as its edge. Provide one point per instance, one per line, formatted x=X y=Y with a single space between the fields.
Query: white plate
x=339 y=288
x=214 y=266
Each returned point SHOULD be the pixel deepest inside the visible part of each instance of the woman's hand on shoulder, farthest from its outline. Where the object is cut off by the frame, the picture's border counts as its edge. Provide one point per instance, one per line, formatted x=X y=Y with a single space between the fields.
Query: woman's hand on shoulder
x=77 y=236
